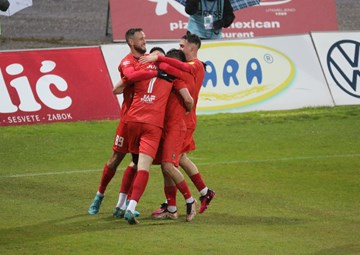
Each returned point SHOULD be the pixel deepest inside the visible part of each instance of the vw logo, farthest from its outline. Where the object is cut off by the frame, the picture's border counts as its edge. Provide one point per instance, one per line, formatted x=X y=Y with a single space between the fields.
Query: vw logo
x=343 y=64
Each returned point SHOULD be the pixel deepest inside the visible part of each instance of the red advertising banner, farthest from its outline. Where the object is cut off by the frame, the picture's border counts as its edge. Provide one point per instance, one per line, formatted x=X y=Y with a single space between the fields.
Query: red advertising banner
x=63 y=85
x=167 y=20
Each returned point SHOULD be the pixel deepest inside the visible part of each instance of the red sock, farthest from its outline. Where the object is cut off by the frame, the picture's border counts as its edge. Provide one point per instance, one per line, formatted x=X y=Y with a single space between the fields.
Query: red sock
x=107 y=175
x=127 y=179
x=184 y=189
x=139 y=185
x=170 y=193
x=131 y=186
x=130 y=189
x=198 y=181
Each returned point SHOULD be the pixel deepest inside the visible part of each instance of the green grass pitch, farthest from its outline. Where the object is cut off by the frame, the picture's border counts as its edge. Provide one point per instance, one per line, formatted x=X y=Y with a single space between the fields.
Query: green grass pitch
x=286 y=182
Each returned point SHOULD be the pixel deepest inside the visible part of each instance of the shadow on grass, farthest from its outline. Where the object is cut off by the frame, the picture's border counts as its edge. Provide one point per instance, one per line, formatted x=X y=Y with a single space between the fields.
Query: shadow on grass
x=77 y=224
x=83 y=223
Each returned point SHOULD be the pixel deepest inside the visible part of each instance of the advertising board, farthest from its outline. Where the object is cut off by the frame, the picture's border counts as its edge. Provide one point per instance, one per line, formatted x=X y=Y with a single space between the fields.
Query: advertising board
x=45 y=86
x=167 y=19
x=339 y=54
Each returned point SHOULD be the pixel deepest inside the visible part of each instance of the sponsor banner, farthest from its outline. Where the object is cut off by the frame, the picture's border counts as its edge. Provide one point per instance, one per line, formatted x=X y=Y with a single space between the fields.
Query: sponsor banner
x=166 y=19
x=249 y=75
x=45 y=86
x=278 y=73
x=340 y=59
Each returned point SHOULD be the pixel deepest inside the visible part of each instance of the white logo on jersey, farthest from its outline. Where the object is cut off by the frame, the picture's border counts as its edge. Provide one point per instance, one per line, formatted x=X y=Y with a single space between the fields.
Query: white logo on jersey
x=148 y=98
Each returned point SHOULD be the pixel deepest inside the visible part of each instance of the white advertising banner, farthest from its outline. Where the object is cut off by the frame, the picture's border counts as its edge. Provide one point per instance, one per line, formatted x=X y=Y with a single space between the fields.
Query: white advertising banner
x=277 y=73
x=340 y=59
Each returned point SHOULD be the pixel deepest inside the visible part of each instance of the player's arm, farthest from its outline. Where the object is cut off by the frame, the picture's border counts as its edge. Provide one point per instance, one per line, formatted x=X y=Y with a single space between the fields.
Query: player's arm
x=119 y=87
x=183 y=66
x=188 y=100
x=181 y=87
x=180 y=84
x=132 y=75
x=185 y=76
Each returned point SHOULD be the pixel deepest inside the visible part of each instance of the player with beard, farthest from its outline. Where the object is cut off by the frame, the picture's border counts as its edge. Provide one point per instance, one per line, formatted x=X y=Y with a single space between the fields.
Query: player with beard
x=130 y=71
x=129 y=176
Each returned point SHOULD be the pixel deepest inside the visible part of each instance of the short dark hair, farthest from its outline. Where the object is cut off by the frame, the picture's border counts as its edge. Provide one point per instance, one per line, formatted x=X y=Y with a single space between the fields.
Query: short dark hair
x=178 y=54
x=157 y=49
x=130 y=33
x=192 y=38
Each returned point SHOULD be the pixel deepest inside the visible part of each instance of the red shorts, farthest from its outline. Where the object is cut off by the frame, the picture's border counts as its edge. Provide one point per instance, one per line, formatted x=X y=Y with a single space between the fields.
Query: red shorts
x=121 y=138
x=171 y=147
x=189 y=143
x=143 y=138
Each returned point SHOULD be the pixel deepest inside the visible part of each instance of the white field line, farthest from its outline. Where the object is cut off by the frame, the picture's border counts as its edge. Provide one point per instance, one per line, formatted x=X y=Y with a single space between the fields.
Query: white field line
x=199 y=164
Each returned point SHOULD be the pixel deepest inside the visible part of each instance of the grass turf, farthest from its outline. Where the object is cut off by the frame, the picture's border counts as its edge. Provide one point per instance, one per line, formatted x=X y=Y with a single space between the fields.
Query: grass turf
x=287 y=182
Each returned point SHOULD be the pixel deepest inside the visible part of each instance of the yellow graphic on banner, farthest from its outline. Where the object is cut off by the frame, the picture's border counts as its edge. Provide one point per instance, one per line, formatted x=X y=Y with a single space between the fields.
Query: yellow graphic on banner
x=240 y=74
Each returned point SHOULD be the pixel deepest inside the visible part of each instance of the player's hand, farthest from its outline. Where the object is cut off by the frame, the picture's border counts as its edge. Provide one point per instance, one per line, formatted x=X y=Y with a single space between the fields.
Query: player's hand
x=148 y=58
x=162 y=75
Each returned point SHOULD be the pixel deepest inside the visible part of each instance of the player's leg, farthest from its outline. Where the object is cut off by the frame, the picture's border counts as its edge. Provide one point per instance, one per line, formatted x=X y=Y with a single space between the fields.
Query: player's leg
x=125 y=189
x=206 y=194
x=139 y=186
x=107 y=175
x=145 y=143
x=170 y=191
x=119 y=151
x=178 y=178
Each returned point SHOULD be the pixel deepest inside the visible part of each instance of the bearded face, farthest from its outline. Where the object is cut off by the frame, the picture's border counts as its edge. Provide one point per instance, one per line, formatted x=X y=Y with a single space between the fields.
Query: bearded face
x=140 y=49
x=139 y=42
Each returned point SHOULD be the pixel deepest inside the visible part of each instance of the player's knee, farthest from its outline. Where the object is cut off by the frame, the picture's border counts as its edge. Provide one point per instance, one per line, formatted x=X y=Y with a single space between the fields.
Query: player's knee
x=166 y=167
x=115 y=160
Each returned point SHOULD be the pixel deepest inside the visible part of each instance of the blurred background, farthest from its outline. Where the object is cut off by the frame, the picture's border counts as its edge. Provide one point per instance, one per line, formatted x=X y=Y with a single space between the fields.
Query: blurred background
x=53 y=23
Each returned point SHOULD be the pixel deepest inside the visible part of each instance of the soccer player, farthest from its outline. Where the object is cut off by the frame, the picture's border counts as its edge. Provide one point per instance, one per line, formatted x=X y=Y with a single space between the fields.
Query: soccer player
x=129 y=72
x=129 y=176
x=189 y=44
x=145 y=122
x=171 y=144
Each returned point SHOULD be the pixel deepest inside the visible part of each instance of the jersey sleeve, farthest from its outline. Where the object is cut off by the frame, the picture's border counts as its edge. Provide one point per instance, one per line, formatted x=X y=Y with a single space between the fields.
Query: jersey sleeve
x=176 y=63
x=185 y=76
x=131 y=71
x=179 y=84
x=132 y=75
x=184 y=79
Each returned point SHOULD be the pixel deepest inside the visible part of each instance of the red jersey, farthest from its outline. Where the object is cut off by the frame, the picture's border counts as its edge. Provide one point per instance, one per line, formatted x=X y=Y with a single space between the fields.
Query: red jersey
x=199 y=73
x=149 y=102
x=131 y=71
x=175 y=109
x=196 y=69
x=128 y=94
